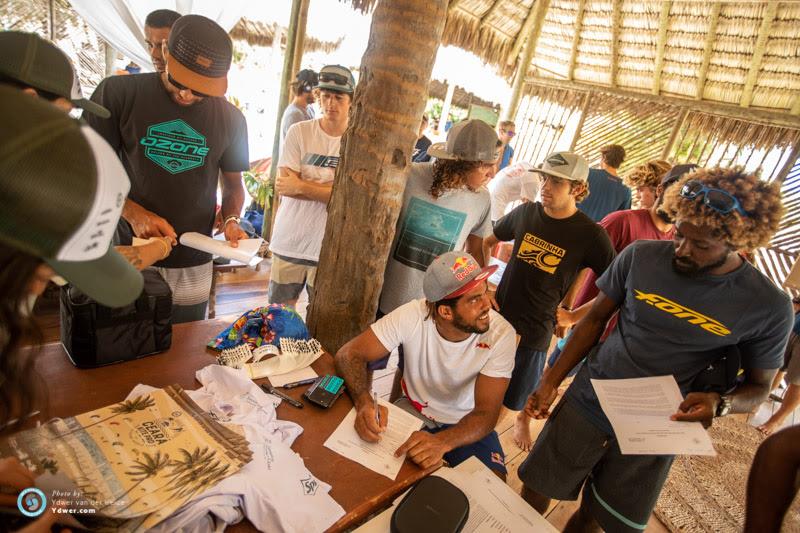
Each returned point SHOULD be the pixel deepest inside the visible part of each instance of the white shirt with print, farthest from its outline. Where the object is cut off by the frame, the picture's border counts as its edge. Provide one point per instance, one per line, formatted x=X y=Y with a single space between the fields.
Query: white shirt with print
x=300 y=224
x=439 y=375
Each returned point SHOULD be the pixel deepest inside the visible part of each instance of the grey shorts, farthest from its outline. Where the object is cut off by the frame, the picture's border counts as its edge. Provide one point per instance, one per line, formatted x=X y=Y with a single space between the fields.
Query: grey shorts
x=571 y=453
x=287 y=278
x=792 y=361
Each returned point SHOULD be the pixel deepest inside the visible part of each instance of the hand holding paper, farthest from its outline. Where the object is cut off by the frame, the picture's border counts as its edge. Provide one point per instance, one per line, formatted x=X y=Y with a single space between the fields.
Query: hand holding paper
x=697 y=407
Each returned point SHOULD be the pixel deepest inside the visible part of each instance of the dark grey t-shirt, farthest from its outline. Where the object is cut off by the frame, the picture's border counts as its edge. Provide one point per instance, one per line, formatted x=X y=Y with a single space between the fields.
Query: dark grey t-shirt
x=173 y=154
x=673 y=324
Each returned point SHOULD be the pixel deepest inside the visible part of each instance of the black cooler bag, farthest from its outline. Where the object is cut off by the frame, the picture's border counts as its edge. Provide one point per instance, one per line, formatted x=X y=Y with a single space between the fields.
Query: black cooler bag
x=95 y=335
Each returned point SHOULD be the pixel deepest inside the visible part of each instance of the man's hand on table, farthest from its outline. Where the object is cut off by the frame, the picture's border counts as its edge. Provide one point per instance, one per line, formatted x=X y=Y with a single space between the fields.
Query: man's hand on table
x=366 y=425
x=425 y=449
x=146 y=224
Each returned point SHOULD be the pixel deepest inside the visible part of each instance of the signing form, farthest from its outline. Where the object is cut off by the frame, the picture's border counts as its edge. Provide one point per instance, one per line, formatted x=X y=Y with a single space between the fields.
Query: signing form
x=639 y=411
x=378 y=456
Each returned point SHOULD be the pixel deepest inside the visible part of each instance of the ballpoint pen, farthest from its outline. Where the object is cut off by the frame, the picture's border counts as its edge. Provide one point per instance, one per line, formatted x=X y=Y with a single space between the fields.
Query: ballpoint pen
x=299 y=383
x=272 y=390
x=377 y=409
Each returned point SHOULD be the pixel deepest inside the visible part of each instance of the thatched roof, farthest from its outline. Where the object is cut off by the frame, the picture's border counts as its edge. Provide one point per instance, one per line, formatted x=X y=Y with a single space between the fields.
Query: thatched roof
x=741 y=53
x=461 y=97
x=262 y=34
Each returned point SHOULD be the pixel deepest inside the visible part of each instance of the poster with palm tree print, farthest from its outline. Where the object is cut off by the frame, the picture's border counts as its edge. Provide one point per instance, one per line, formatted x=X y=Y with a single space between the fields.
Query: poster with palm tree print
x=135 y=462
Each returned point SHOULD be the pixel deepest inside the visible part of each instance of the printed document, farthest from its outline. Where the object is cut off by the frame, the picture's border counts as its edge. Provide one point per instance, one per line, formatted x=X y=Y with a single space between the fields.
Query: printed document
x=249 y=251
x=378 y=456
x=639 y=411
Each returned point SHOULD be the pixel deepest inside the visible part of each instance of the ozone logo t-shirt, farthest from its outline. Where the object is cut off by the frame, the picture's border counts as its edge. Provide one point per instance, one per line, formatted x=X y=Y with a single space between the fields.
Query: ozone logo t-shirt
x=173 y=154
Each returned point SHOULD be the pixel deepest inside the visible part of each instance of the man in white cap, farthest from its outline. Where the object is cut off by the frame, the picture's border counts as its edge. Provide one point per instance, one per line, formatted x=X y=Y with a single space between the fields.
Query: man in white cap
x=553 y=241
x=459 y=355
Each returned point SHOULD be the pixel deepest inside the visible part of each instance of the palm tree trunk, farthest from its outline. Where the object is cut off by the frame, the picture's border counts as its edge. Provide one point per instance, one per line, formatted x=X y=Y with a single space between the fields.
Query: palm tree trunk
x=375 y=156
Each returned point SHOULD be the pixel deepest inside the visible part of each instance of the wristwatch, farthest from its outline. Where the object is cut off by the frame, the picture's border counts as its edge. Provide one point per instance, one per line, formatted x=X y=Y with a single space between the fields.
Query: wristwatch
x=724 y=405
x=231 y=217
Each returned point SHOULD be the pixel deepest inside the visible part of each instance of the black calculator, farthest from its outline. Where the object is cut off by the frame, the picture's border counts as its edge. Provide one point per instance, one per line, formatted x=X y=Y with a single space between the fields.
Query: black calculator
x=325 y=390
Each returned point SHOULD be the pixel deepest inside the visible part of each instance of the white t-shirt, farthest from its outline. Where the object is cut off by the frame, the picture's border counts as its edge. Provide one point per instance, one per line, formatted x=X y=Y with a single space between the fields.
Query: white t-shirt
x=300 y=224
x=439 y=375
x=509 y=186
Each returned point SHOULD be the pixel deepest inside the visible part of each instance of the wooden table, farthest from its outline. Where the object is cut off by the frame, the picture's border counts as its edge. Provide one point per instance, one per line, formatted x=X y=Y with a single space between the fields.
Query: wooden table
x=358 y=490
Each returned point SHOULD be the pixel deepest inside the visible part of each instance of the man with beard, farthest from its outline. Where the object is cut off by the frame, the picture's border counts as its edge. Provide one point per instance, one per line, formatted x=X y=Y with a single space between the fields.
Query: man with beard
x=458 y=358
x=680 y=305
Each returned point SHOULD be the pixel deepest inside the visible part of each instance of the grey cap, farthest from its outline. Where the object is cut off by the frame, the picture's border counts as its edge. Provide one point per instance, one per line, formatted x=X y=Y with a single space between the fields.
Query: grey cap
x=336 y=78
x=565 y=165
x=469 y=140
x=452 y=274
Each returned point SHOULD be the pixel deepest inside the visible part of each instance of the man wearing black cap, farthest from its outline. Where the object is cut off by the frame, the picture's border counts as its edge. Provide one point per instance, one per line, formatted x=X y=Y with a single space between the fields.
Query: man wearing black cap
x=308 y=162
x=459 y=355
x=300 y=108
x=176 y=134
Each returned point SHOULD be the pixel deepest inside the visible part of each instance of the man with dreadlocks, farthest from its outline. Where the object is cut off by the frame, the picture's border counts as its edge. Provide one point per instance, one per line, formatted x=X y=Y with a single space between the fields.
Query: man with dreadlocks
x=680 y=304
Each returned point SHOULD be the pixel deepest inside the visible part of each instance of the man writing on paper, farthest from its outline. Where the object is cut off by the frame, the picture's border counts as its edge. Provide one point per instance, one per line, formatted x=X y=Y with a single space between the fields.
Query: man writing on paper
x=458 y=358
x=682 y=305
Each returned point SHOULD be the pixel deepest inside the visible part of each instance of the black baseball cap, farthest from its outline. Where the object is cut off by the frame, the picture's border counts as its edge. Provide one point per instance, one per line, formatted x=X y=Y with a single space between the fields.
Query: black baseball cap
x=676 y=172
x=307 y=78
x=40 y=64
x=200 y=54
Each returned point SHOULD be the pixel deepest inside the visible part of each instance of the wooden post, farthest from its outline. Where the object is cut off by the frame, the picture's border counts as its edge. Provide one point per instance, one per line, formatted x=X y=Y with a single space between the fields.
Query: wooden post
x=758 y=53
x=538 y=12
x=283 y=101
x=584 y=110
x=576 y=39
x=711 y=35
x=674 y=135
x=374 y=158
x=300 y=39
x=661 y=45
x=616 y=27
x=110 y=56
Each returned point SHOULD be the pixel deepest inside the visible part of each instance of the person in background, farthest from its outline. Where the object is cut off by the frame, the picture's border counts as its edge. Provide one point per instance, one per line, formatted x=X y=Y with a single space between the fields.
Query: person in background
x=420 y=154
x=644 y=179
x=458 y=357
x=680 y=304
x=553 y=241
x=300 y=108
x=49 y=75
x=511 y=185
x=506 y=129
x=180 y=139
x=157 y=26
x=60 y=187
x=306 y=169
x=609 y=194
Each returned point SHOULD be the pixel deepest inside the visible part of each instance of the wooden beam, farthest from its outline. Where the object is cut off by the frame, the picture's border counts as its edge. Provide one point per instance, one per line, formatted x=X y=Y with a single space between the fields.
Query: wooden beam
x=795 y=110
x=375 y=156
x=584 y=110
x=524 y=31
x=772 y=118
x=711 y=35
x=758 y=53
x=490 y=11
x=616 y=26
x=661 y=45
x=300 y=39
x=525 y=60
x=674 y=135
x=576 y=39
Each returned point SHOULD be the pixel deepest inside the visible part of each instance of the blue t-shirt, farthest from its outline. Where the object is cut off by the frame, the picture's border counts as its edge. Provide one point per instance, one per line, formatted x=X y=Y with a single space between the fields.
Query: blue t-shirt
x=508 y=153
x=674 y=324
x=607 y=194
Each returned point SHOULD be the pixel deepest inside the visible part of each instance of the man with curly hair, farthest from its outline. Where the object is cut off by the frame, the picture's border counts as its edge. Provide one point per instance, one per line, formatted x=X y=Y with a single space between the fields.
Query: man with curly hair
x=553 y=241
x=644 y=179
x=445 y=207
x=681 y=305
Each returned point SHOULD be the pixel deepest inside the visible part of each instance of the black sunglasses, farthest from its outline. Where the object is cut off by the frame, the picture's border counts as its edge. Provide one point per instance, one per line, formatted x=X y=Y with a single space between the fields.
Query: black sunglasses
x=338 y=79
x=182 y=87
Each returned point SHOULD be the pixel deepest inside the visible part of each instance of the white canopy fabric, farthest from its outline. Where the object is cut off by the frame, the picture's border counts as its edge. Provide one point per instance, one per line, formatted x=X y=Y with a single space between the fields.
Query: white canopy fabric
x=121 y=22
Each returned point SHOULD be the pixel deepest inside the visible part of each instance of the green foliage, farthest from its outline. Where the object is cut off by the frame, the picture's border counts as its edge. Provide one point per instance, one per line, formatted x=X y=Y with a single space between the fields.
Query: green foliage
x=259 y=188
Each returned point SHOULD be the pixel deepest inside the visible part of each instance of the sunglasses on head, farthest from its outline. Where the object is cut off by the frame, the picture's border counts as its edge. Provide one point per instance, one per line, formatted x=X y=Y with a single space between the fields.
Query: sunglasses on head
x=719 y=200
x=331 y=77
x=182 y=87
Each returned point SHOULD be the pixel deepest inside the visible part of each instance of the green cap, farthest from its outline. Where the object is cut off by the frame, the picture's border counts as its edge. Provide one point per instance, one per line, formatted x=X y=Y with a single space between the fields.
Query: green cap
x=40 y=64
x=62 y=188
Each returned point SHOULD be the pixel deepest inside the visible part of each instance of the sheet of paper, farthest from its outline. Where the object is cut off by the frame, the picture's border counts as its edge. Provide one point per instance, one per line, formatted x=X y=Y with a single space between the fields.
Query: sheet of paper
x=639 y=411
x=246 y=252
x=375 y=456
x=493 y=506
x=296 y=375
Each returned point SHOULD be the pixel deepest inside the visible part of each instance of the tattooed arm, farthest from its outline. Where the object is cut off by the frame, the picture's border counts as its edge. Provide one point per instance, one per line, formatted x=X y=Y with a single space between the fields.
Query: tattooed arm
x=145 y=255
x=351 y=364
